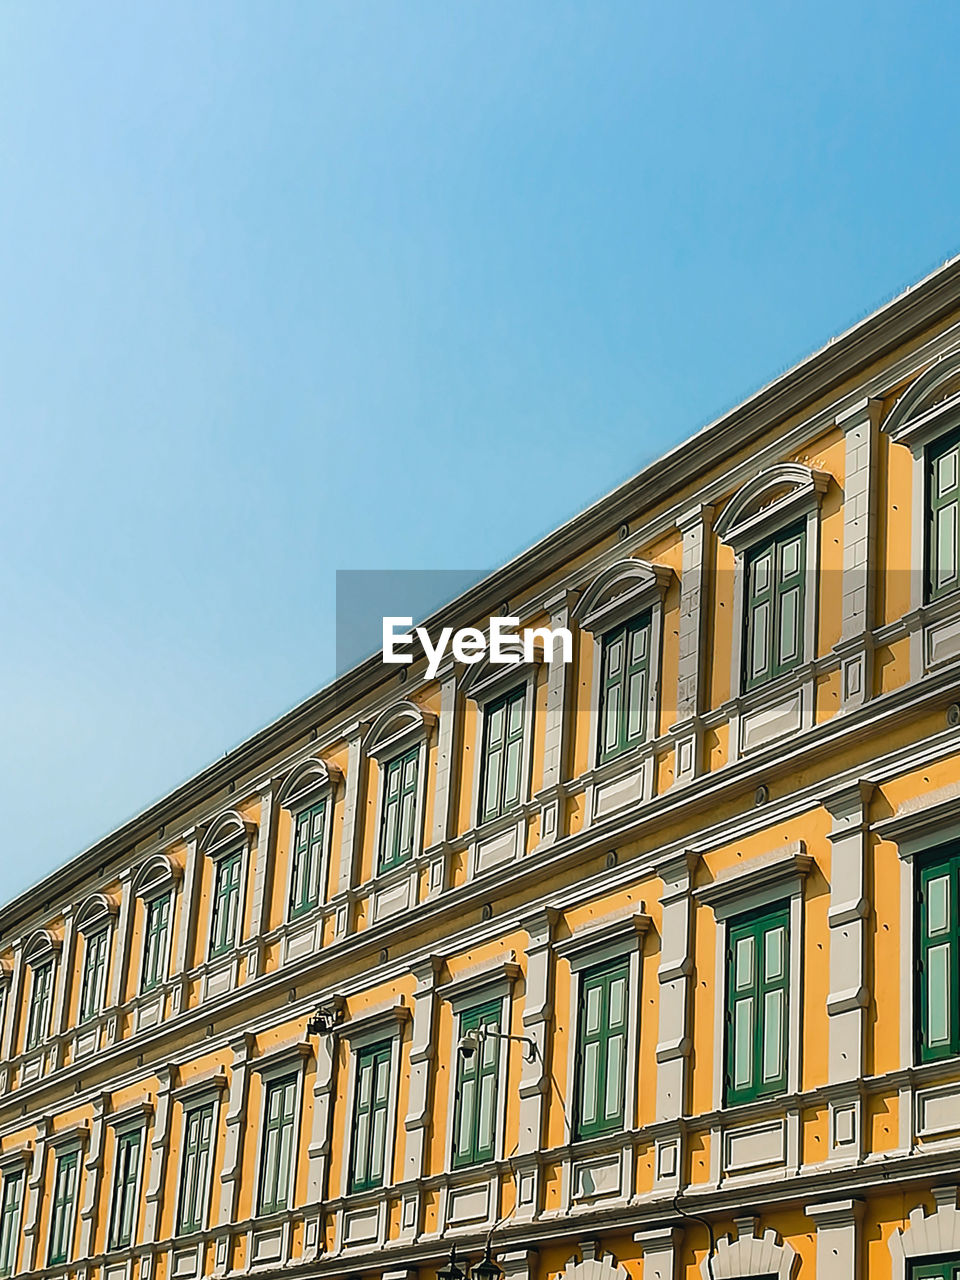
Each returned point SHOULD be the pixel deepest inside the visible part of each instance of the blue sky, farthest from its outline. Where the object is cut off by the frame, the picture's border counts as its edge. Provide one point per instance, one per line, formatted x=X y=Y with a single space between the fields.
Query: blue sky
x=289 y=288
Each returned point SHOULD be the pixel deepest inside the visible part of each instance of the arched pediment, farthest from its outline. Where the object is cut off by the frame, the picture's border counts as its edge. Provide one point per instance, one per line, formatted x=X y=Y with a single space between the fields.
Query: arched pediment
x=930 y=404
x=750 y=1255
x=396 y=728
x=40 y=947
x=604 y=1267
x=311 y=777
x=156 y=874
x=621 y=590
x=230 y=828
x=94 y=912
x=775 y=496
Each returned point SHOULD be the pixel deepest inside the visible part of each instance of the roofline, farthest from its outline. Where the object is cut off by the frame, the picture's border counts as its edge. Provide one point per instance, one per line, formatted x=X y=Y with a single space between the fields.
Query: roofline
x=917 y=307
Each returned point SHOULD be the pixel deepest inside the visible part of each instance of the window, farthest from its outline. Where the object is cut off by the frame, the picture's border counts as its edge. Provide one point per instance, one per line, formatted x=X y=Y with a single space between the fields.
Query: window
x=941 y=1269
x=307 y=859
x=195 y=1170
x=624 y=679
x=155 y=943
x=62 y=1211
x=938 y=1004
x=126 y=1178
x=476 y=1097
x=38 y=1022
x=226 y=903
x=502 y=754
x=757 y=978
x=774 y=617
x=370 y=1117
x=276 y=1160
x=94 y=975
x=10 y=1221
x=601 y=1049
x=943 y=503
x=399 y=809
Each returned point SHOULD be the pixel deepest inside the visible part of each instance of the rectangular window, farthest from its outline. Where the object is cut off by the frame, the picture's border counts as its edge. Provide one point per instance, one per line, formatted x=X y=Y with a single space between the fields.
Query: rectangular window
x=602 y=1049
x=155 y=943
x=399 y=809
x=195 y=1170
x=476 y=1099
x=938 y=968
x=278 y=1136
x=774 y=606
x=38 y=1023
x=126 y=1179
x=758 y=976
x=10 y=1221
x=308 y=837
x=63 y=1208
x=943 y=503
x=502 y=755
x=94 y=975
x=624 y=687
x=370 y=1117
x=226 y=904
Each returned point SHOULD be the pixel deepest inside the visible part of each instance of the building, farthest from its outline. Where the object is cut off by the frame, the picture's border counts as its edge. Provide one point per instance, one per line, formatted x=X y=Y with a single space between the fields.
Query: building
x=645 y=966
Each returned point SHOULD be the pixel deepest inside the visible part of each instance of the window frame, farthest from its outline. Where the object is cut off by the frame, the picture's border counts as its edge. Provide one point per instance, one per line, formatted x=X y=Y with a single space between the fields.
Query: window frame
x=384 y=1026
x=937 y=1267
x=485 y=1013
x=195 y=1187
x=773 y=544
x=15 y=1175
x=380 y=1053
x=89 y=1009
x=302 y=905
x=233 y=854
x=312 y=782
x=286 y=1080
x=132 y=1182
x=600 y=976
x=284 y=1064
x=161 y=969
x=39 y=1018
x=944 y=858
x=389 y=861
x=401 y=732
x=946 y=442
x=504 y=700
x=756 y=925
x=67 y=1228
x=627 y=629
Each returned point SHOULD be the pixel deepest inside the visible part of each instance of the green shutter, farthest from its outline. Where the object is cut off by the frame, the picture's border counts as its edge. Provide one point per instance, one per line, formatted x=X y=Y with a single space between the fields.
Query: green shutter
x=624 y=687
x=10 y=1221
x=475 y=1112
x=308 y=841
x=38 y=1023
x=62 y=1210
x=125 y=1187
x=399 y=809
x=938 y=969
x=278 y=1136
x=94 y=975
x=195 y=1170
x=602 y=1049
x=943 y=504
x=774 y=617
x=226 y=904
x=757 y=977
x=155 y=943
x=502 y=755
x=371 y=1097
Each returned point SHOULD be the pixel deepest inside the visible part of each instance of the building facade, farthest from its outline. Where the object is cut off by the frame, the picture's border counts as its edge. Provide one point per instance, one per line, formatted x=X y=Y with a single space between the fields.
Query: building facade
x=641 y=967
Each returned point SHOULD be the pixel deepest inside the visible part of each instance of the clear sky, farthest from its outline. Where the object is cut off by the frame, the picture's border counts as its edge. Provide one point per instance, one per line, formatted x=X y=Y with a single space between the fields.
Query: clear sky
x=287 y=288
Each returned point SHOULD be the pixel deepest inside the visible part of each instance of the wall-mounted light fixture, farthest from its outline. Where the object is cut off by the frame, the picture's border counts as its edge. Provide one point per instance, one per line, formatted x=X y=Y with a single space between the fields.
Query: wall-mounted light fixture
x=326 y=1017
x=471 y=1041
x=486 y=1269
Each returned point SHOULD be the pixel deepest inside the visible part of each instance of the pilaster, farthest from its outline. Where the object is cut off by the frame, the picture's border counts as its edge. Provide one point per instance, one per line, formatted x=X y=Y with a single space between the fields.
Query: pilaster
x=232 y=1167
x=556 y=747
x=93 y=1165
x=859 y=424
x=535 y=1071
x=186 y=918
x=351 y=834
x=263 y=868
x=423 y=1052
x=122 y=944
x=159 y=1150
x=658 y=1249
x=16 y=1003
x=321 y=1138
x=445 y=778
x=838 y=1238
x=31 y=1216
x=65 y=971
x=695 y=527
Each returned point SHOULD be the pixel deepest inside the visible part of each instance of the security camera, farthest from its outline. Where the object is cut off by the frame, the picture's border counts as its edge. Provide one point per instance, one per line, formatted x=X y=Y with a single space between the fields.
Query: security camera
x=469 y=1042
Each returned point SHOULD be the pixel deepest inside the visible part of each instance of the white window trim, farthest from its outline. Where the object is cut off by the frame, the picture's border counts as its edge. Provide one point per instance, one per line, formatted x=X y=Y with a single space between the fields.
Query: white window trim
x=375 y=1027
x=311 y=782
x=916 y=427
x=288 y=1060
x=64 y=1143
x=41 y=949
x=18 y=1160
x=129 y=1120
x=605 y=940
x=748 y=886
x=395 y=732
x=207 y=1091
x=97 y=915
x=622 y=591
x=156 y=878
x=478 y=986
x=229 y=833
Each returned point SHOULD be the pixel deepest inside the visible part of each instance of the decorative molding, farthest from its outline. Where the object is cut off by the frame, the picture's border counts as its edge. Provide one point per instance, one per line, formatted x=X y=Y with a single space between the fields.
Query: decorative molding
x=924 y=407
x=774 y=497
x=749 y=1255
x=156 y=875
x=95 y=912
x=307 y=781
x=783 y=869
x=928 y=1233
x=396 y=728
x=620 y=591
x=225 y=832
